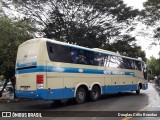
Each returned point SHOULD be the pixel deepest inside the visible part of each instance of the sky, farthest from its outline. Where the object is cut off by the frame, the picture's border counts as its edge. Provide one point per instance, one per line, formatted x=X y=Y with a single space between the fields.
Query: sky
x=135 y=3
x=143 y=41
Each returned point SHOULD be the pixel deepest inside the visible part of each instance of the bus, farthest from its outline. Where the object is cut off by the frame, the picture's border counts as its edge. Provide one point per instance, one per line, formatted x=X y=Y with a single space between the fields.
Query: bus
x=52 y=70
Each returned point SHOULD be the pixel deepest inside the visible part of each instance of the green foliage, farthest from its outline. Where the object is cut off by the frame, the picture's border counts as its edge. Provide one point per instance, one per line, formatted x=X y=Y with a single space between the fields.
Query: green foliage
x=13 y=33
x=151 y=17
x=151 y=11
x=150 y=76
x=126 y=46
x=89 y=23
x=154 y=65
x=1 y=77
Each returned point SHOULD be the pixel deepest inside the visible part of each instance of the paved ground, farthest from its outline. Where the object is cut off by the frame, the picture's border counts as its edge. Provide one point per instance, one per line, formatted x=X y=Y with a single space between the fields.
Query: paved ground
x=148 y=100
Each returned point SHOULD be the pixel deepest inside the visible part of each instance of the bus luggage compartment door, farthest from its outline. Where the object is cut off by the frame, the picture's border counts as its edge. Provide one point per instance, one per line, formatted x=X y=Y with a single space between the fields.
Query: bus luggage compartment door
x=54 y=82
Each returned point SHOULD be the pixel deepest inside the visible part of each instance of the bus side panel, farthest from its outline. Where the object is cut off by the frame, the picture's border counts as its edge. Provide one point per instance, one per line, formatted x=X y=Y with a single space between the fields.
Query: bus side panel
x=121 y=83
x=55 y=87
x=89 y=81
x=68 y=87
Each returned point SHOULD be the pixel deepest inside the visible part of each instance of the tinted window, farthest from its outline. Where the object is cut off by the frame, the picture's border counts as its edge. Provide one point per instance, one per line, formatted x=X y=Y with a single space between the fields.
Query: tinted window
x=121 y=62
x=116 y=62
x=82 y=57
x=58 y=53
x=132 y=64
x=138 y=65
x=79 y=56
x=128 y=63
x=99 y=59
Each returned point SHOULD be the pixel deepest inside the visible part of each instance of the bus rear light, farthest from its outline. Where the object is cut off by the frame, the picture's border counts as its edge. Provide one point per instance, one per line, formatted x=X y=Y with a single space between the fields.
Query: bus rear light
x=40 y=80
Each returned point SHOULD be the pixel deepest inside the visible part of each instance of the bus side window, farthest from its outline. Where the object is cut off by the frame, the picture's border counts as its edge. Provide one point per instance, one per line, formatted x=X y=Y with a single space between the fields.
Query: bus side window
x=74 y=55
x=134 y=65
x=63 y=52
x=121 y=63
x=81 y=57
x=50 y=49
x=115 y=62
x=90 y=57
x=99 y=59
x=106 y=60
x=138 y=65
x=129 y=64
x=126 y=63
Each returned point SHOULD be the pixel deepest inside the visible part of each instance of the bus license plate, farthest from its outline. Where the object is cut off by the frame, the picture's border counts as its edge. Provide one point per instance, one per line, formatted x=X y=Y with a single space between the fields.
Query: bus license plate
x=25 y=88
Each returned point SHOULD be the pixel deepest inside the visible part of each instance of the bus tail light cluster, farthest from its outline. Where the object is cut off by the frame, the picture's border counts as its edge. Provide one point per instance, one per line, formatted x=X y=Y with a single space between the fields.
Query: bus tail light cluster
x=40 y=81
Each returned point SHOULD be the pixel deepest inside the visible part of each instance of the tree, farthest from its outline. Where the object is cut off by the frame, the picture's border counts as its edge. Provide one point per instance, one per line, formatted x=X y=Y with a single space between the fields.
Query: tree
x=151 y=12
x=13 y=33
x=89 y=23
x=151 y=17
x=153 y=64
x=126 y=45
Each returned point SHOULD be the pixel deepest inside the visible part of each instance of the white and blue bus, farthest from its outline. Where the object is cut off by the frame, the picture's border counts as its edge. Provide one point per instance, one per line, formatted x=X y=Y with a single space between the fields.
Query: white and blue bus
x=52 y=70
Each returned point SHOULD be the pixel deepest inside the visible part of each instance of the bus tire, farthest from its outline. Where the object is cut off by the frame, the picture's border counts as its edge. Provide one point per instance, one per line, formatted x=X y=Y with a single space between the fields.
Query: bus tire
x=138 y=90
x=95 y=93
x=80 y=95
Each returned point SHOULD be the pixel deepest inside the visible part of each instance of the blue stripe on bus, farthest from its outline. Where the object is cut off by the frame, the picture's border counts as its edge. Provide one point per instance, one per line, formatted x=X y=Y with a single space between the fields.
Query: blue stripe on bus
x=18 y=65
x=118 y=88
x=63 y=93
x=60 y=93
x=72 y=70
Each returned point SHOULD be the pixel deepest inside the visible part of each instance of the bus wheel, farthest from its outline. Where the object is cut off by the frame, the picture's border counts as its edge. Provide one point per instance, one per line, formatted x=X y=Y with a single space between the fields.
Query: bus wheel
x=138 y=90
x=80 y=95
x=95 y=93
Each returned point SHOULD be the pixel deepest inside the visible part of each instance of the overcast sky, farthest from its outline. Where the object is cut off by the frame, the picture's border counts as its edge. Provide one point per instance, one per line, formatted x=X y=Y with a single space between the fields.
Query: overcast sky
x=135 y=3
x=144 y=41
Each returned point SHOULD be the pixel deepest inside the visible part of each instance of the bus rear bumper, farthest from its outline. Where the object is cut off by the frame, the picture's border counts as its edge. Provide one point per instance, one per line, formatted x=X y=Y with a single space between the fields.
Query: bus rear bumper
x=42 y=94
x=36 y=94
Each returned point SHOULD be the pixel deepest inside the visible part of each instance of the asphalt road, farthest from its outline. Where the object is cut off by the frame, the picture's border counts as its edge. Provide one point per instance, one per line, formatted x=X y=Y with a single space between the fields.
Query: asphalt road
x=148 y=100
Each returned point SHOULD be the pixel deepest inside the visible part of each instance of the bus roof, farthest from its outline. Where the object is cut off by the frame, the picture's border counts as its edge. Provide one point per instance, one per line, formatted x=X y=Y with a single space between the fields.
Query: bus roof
x=85 y=48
